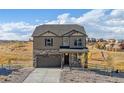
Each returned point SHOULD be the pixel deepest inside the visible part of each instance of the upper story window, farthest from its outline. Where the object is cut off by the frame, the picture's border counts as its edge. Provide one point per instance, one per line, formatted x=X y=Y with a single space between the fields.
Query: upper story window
x=78 y=42
x=49 y=42
x=65 y=41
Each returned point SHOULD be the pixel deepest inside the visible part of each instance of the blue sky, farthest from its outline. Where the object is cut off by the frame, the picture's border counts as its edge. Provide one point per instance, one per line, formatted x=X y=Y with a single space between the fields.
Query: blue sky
x=18 y=24
x=31 y=15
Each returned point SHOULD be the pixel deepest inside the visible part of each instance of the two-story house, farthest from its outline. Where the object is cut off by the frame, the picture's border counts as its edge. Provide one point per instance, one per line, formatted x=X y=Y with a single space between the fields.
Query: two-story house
x=55 y=45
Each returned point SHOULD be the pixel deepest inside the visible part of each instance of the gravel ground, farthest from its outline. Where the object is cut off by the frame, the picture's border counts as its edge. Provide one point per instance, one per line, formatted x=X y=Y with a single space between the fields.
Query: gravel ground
x=17 y=76
x=81 y=76
x=67 y=76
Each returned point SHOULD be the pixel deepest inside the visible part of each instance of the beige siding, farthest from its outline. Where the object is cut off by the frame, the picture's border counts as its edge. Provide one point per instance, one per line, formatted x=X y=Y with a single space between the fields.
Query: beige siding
x=39 y=43
x=36 y=43
x=48 y=34
x=65 y=41
x=72 y=39
x=77 y=34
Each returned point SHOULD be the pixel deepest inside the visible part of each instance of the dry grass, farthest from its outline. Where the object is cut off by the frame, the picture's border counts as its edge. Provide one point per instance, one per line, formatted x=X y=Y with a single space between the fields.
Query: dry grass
x=16 y=53
x=112 y=59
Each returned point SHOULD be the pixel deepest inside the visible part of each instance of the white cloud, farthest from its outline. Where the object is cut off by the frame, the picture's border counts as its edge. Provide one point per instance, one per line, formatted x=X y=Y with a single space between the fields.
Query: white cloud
x=92 y=16
x=16 y=31
x=98 y=23
x=61 y=19
x=16 y=25
x=117 y=13
x=115 y=22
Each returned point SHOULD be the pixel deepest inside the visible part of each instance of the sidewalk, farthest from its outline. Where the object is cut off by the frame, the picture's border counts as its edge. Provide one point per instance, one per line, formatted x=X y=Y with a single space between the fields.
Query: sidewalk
x=44 y=75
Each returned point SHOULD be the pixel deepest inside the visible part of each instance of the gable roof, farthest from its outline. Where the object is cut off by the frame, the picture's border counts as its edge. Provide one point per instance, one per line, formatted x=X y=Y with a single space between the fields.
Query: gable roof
x=58 y=29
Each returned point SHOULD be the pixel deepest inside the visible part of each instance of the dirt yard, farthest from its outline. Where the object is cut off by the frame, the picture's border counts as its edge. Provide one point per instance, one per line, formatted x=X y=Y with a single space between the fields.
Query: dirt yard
x=82 y=76
x=16 y=75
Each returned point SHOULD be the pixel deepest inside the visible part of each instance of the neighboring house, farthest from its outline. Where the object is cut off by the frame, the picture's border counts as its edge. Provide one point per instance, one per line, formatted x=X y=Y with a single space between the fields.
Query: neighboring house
x=55 y=45
x=101 y=40
x=119 y=41
x=111 y=41
x=91 y=39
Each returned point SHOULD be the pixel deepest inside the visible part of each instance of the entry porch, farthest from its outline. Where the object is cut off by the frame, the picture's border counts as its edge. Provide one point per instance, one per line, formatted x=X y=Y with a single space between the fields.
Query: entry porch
x=72 y=57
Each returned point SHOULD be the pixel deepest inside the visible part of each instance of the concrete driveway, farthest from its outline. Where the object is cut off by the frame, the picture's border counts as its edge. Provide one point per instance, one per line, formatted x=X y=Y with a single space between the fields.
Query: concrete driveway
x=44 y=75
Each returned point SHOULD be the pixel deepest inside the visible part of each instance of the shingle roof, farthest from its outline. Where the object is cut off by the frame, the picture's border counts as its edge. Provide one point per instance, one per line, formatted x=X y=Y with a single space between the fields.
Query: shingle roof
x=58 y=29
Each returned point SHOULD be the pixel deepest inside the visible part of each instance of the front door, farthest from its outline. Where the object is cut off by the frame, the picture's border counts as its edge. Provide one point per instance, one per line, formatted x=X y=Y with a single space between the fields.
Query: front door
x=66 y=59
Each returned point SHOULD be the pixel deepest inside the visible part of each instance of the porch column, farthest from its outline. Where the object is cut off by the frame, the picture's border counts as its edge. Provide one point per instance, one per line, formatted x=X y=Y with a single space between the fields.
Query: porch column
x=86 y=60
x=62 y=61
x=35 y=59
x=70 y=61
